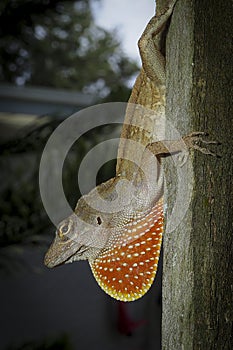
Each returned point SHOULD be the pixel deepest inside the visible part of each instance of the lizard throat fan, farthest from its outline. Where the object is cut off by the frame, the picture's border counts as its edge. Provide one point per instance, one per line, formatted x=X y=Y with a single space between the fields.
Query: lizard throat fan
x=127 y=269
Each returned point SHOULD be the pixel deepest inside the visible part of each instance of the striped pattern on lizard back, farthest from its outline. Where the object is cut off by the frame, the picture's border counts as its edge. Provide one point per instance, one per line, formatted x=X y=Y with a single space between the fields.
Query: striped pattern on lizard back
x=143 y=122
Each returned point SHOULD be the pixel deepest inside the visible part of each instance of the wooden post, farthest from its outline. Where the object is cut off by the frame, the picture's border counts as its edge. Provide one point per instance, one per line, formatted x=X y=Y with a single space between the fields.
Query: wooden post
x=197 y=267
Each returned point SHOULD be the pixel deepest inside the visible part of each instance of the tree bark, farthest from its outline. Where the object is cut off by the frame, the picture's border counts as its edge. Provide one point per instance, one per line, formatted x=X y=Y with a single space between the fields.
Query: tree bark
x=197 y=274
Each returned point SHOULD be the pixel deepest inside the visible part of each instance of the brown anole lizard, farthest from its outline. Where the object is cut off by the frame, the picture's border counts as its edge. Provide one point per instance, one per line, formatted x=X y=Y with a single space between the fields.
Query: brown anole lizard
x=122 y=245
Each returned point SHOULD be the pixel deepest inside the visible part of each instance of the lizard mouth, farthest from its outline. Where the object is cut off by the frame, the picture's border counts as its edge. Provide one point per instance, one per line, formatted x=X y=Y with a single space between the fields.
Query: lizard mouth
x=76 y=255
x=54 y=258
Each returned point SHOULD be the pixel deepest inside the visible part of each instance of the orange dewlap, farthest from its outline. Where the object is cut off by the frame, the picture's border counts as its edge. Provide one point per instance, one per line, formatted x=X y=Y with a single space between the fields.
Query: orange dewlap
x=127 y=270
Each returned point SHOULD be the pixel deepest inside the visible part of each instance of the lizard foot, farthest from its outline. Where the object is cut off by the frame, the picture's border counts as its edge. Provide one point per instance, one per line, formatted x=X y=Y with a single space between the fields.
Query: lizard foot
x=195 y=140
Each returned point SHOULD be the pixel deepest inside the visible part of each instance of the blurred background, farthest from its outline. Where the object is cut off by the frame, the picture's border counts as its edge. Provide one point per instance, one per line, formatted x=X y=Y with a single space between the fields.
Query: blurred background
x=56 y=58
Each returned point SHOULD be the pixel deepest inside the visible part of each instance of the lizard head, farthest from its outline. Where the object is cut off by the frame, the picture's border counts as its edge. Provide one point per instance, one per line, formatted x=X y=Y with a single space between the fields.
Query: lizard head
x=77 y=239
x=71 y=242
x=83 y=234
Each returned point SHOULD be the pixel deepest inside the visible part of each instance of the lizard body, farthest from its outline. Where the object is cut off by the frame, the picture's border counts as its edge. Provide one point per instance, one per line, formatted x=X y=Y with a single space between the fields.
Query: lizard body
x=122 y=244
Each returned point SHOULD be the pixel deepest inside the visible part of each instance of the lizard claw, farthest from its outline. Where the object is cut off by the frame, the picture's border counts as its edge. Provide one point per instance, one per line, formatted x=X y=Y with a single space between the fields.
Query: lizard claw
x=195 y=140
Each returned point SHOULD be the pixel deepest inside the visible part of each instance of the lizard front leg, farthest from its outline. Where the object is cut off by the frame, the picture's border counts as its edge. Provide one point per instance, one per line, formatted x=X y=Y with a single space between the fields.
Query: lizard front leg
x=193 y=140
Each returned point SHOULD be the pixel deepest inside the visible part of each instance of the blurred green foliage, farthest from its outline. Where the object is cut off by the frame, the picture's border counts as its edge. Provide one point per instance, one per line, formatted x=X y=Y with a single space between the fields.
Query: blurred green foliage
x=57 y=44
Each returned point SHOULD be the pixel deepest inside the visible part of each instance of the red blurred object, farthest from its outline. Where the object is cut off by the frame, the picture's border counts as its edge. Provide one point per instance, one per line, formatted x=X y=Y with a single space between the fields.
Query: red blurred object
x=125 y=324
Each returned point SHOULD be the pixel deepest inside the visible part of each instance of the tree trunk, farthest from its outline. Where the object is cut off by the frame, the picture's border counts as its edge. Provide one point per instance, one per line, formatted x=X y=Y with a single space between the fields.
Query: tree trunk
x=197 y=274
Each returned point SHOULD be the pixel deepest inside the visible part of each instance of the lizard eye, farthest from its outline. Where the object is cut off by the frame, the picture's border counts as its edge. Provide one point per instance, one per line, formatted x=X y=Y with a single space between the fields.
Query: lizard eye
x=99 y=221
x=63 y=230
